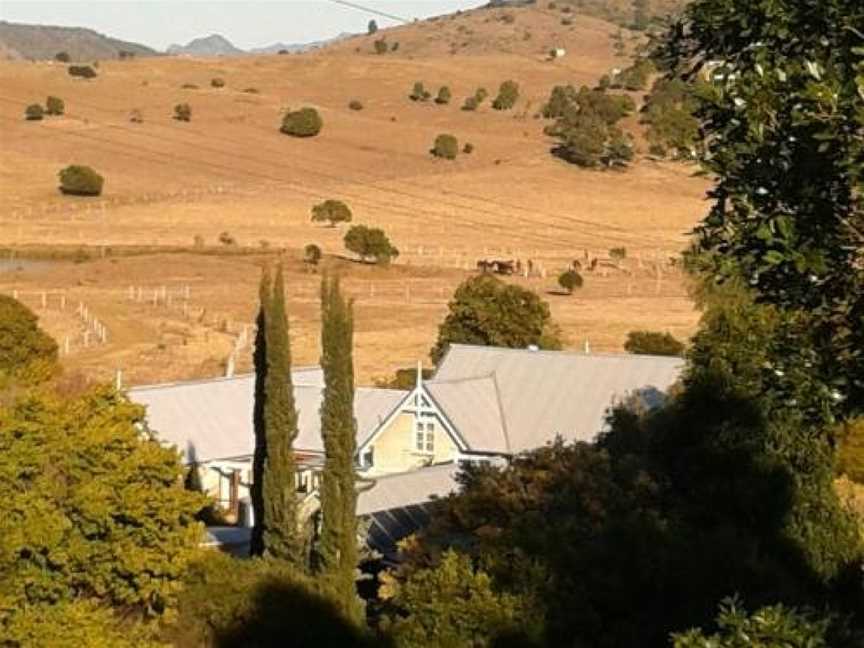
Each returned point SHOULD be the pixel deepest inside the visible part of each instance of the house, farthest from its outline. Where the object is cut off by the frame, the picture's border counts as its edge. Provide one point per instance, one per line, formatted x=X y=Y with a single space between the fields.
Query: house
x=488 y=403
x=483 y=404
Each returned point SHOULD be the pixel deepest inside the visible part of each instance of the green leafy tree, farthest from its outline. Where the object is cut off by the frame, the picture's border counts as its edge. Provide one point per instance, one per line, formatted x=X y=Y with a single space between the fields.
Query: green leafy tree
x=183 y=112
x=444 y=96
x=54 y=106
x=454 y=604
x=337 y=550
x=508 y=94
x=635 y=77
x=305 y=122
x=562 y=99
x=446 y=146
x=34 y=112
x=486 y=311
x=79 y=180
x=331 y=212
x=782 y=119
x=419 y=92
x=91 y=508
x=372 y=28
x=82 y=71
x=62 y=57
x=24 y=347
x=471 y=104
x=768 y=627
x=282 y=532
x=570 y=280
x=653 y=343
x=670 y=115
x=312 y=254
x=370 y=243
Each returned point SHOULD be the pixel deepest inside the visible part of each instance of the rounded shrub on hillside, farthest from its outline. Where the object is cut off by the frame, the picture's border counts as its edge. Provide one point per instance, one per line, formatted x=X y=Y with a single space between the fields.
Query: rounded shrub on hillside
x=570 y=280
x=331 y=212
x=508 y=93
x=82 y=71
x=217 y=82
x=355 y=104
x=34 y=112
x=370 y=243
x=183 y=112
x=444 y=96
x=54 y=106
x=77 y=180
x=446 y=146
x=305 y=122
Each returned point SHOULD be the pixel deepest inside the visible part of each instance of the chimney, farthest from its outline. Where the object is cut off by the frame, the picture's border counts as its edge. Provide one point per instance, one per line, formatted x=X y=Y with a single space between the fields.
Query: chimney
x=229 y=367
x=587 y=347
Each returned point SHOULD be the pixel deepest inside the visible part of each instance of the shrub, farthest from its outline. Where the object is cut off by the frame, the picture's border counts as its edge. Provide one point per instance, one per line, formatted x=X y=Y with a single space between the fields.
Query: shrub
x=419 y=92
x=470 y=104
x=468 y=149
x=669 y=113
x=508 y=93
x=312 y=254
x=370 y=242
x=480 y=94
x=381 y=46
x=183 y=112
x=227 y=239
x=394 y=47
x=567 y=22
x=372 y=28
x=446 y=146
x=355 y=104
x=444 y=96
x=136 y=117
x=305 y=122
x=332 y=212
x=54 y=106
x=635 y=77
x=570 y=280
x=251 y=91
x=82 y=71
x=34 y=112
x=618 y=253
x=22 y=343
x=62 y=57
x=653 y=343
x=76 y=180
x=217 y=82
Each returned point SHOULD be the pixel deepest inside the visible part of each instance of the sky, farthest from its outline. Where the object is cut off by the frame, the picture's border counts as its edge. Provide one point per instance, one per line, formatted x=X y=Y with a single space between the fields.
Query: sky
x=256 y=23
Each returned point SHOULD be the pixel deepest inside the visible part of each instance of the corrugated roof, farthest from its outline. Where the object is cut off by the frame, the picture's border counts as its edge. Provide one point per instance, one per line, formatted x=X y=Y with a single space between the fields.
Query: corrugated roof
x=544 y=394
x=411 y=488
x=212 y=419
x=473 y=408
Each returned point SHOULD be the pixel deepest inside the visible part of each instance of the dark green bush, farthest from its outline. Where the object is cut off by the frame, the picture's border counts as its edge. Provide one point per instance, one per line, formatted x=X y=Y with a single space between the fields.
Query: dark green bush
x=82 y=71
x=508 y=93
x=77 y=180
x=653 y=343
x=618 y=253
x=34 y=112
x=54 y=106
x=183 y=112
x=444 y=96
x=468 y=149
x=570 y=280
x=419 y=92
x=312 y=254
x=305 y=122
x=332 y=212
x=370 y=243
x=446 y=146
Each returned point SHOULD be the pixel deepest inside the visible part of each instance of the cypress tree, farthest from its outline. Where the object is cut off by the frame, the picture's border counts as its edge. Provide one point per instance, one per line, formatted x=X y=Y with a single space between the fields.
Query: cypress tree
x=338 y=542
x=259 y=357
x=281 y=534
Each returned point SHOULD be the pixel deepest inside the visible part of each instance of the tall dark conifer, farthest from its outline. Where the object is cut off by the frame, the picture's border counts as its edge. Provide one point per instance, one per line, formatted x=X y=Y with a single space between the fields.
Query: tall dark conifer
x=338 y=542
x=259 y=358
x=281 y=534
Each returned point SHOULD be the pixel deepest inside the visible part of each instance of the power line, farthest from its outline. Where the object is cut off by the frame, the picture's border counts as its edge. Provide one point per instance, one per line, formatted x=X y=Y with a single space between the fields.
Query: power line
x=369 y=10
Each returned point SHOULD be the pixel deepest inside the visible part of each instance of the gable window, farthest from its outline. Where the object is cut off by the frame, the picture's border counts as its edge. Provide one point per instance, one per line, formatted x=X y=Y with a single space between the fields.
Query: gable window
x=425 y=437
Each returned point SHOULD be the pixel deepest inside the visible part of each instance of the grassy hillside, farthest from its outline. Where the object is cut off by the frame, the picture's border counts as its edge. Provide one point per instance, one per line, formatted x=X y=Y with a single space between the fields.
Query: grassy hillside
x=43 y=42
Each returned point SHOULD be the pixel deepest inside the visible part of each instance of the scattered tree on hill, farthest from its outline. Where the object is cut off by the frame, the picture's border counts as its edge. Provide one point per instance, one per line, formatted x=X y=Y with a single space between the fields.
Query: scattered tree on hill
x=446 y=146
x=82 y=71
x=419 y=92
x=486 y=311
x=34 y=112
x=331 y=212
x=217 y=82
x=78 y=180
x=227 y=239
x=570 y=280
x=373 y=27
x=669 y=112
x=183 y=112
x=23 y=345
x=381 y=46
x=468 y=149
x=91 y=508
x=305 y=122
x=54 y=106
x=444 y=96
x=653 y=343
x=508 y=94
x=62 y=57
x=635 y=77
x=370 y=243
x=618 y=253
x=562 y=99
x=312 y=254
x=355 y=104
x=470 y=104
x=337 y=546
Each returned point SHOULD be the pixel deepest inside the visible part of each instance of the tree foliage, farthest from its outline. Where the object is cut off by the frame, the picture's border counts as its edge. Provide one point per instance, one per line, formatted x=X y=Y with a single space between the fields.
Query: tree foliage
x=24 y=347
x=91 y=508
x=370 y=243
x=54 y=106
x=653 y=343
x=669 y=113
x=183 y=112
x=82 y=71
x=444 y=95
x=569 y=280
x=486 y=311
x=446 y=146
x=419 y=92
x=508 y=94
x=312 y=254
x=34 y=112
x=80 y=180
x=305 y=122
x=332 y=212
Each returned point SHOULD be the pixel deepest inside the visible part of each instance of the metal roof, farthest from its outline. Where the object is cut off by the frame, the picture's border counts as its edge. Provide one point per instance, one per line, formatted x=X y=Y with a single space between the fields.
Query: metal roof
x=543 y=394
x=409 y=488
x=212 y=419
x=473 y=404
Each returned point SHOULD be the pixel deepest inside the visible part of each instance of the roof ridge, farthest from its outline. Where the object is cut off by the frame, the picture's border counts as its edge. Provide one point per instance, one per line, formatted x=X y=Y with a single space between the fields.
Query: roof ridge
x=501 y=413
x=568 y=352
x=451 y=381
x=215 y=379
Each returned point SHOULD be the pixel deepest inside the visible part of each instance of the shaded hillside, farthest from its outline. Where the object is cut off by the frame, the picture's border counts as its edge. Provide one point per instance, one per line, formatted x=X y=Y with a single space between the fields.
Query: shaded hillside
x=213 y=45
x=38 y=42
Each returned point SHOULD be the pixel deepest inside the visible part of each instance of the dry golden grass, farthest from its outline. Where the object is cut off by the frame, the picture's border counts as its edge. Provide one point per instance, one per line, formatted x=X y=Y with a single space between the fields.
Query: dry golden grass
x=230 y=170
